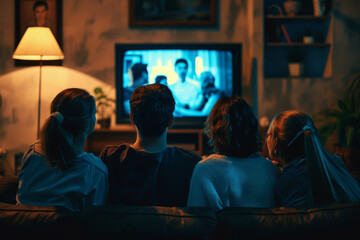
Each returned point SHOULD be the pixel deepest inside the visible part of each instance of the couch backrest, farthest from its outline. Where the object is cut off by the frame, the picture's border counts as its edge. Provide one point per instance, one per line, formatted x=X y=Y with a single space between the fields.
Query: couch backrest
x=27 y=221
x=318 y=222
x=146 y=222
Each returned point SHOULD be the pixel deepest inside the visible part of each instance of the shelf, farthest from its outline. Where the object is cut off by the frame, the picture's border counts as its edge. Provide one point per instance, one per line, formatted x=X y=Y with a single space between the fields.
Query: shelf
x=296 y=18
x=191 y=139
x=284 y=41
x=277 y=44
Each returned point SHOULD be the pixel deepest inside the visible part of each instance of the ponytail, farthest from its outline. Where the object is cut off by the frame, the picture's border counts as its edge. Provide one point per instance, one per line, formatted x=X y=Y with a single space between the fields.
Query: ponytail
x=56 y=142
x=320 y=189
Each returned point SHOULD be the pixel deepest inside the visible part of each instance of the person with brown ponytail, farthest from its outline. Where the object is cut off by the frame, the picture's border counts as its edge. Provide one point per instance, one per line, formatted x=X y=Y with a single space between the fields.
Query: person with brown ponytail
x=55 y=170
x=311 y=175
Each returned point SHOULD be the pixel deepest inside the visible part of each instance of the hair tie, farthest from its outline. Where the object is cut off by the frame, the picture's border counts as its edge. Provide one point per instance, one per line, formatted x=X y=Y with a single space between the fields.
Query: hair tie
x=58 y=116
x=304 y=129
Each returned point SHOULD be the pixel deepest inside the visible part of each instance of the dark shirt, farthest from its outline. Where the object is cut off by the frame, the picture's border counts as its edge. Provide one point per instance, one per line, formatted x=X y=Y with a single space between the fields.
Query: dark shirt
x=149 y=179
x=293 y=186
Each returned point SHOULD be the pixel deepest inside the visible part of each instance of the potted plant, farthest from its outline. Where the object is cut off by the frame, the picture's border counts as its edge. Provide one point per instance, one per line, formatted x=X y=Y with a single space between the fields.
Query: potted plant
x=345 y=120
x=104 y=106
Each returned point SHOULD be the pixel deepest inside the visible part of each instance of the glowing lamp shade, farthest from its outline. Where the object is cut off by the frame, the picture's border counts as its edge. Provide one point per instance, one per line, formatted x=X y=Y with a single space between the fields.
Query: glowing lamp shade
x=38 y=43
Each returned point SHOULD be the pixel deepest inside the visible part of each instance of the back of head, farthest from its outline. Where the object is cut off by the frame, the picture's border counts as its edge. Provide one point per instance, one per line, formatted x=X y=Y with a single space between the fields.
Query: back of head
x=152 y=108
x=137 y=70
x=71 y=114
x=232 y=128
x=285 y=126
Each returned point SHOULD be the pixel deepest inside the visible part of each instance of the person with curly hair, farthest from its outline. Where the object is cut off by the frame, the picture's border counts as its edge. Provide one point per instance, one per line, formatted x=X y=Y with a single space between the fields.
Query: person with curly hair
x=236 y=175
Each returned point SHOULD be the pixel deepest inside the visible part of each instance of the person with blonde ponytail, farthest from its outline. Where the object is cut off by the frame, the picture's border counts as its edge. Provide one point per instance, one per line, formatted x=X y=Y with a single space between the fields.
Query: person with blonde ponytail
x=311 y=175
x=55 y=170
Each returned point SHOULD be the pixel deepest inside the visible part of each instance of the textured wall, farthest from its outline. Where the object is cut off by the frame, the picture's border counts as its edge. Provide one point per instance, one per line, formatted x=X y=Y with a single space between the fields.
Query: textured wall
x=91 y=28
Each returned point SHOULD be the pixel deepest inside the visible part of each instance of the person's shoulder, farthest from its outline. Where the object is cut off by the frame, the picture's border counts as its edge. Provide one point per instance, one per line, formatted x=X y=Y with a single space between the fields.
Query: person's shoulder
x=215 y=162
x=110 y=150
x=94 y=162
x=184 y=153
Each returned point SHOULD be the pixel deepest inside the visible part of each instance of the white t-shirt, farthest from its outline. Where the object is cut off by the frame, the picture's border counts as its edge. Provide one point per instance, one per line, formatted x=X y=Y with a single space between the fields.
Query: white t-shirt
x=186 y=93
x=220 y=181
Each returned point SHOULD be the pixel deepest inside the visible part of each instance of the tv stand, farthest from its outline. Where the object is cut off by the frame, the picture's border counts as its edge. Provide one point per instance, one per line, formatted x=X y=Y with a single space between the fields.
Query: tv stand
x=191 y=139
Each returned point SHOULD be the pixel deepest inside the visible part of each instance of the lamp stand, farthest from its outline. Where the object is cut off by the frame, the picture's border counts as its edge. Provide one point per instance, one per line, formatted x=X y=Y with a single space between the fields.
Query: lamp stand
x=39 y=104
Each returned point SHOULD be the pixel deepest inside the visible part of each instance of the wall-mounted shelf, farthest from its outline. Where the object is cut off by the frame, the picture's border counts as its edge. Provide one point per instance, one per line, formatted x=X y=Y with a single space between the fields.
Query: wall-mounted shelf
x=284 y=42
x=191 y=139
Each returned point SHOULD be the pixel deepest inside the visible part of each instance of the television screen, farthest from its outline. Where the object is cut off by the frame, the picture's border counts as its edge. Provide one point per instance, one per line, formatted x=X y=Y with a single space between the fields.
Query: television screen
x=197 y=74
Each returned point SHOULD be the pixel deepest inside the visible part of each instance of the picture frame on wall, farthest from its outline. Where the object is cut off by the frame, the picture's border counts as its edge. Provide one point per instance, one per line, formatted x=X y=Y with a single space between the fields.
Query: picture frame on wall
x=172 y=13
x=36 y=13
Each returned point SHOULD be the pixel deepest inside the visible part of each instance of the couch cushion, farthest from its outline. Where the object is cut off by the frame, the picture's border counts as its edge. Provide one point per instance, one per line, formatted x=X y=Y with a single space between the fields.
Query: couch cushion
x=26 y=221
x=147 y=221
x=8 y=189
x=331 y=220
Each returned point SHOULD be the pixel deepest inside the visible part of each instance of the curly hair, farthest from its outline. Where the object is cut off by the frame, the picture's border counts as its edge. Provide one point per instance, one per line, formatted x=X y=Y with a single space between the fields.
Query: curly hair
x=232 y=128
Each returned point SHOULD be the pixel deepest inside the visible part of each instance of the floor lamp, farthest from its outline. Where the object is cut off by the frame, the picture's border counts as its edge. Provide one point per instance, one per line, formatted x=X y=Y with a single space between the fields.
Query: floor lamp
x=38 y=43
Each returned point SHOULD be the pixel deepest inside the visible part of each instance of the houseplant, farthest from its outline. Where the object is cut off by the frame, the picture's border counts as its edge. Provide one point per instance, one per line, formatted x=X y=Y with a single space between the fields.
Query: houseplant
x=345 y=120
x=104 y=107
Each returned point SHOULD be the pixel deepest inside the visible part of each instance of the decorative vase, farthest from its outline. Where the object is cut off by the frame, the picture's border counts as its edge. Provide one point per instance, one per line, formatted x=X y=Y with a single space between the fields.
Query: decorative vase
x=296 y=69
x=292 y=7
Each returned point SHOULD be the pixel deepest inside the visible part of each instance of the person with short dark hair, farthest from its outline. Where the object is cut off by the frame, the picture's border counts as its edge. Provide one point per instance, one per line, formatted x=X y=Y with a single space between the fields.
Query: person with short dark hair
x=138 y=74
x=56 y=170
x=311 y=175
x=149 y=172
x=161 y=79
x=187 y=92
x=236 y=175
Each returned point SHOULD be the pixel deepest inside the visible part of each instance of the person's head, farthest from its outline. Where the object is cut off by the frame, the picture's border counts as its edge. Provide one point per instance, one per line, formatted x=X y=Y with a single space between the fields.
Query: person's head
x=151 y=109
x=72 y=116
x=232 y=128
x=181 y=68
x=281 y=139
x=207 y=80
x=138 y=75
x=40 y=9
x=161 y=79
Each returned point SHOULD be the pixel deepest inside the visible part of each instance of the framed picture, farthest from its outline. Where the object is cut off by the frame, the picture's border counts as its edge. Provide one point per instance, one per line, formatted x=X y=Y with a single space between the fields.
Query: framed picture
x=35 y=13
x=172 y=13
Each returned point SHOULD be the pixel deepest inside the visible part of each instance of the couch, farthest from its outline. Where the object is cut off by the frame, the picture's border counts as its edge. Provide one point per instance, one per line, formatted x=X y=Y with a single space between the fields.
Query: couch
x=155 y=222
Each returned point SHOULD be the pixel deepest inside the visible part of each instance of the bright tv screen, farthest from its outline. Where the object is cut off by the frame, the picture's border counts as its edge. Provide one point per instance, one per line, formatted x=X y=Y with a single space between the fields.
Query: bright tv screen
x=197 y=75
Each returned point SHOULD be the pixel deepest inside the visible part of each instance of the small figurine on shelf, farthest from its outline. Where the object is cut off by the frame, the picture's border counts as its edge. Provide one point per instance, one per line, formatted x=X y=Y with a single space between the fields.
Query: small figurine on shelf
x=292 y=7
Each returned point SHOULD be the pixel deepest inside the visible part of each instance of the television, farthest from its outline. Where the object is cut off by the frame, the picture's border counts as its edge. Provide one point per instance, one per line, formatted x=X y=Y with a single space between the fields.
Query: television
x=222 y=60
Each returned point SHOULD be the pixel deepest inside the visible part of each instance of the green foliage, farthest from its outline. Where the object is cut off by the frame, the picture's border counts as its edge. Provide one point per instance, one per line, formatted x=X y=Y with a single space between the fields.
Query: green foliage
x=103 y=103
x=101 y=98
x=344 y=118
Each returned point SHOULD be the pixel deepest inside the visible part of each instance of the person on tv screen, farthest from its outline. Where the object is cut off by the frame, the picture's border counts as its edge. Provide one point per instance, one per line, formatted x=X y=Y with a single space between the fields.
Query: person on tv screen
x=138 y=76
x=55 y=170
x=209 y=96
x=148 y=172
x=161 y=79
x=236 y=175
x=186 y=91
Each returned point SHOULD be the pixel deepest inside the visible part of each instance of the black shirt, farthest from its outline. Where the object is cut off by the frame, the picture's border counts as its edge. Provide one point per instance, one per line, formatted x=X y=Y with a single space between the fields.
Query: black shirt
x=149 y=179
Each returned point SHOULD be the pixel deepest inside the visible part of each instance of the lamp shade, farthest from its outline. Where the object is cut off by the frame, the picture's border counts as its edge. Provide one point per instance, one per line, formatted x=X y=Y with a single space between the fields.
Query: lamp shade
x=38 y=43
